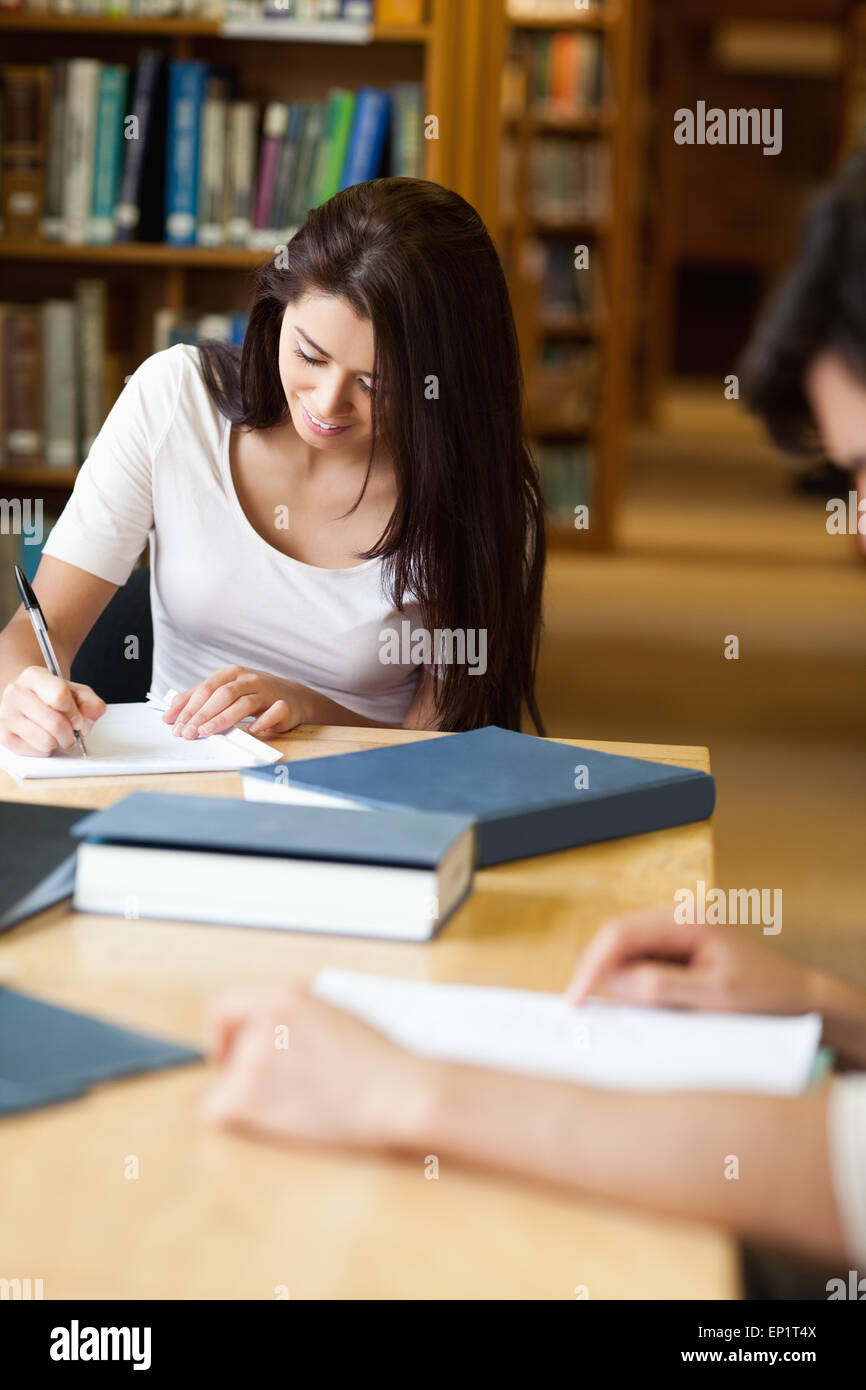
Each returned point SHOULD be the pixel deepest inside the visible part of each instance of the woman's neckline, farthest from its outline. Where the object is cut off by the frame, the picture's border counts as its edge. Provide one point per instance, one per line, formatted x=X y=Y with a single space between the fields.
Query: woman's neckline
x=290 y=560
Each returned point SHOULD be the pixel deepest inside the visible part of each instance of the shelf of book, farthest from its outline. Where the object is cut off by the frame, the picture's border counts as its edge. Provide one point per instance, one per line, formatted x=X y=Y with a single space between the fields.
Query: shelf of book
x=568 y=114
x=182 y=26
x=142 y=253
x=151 y=293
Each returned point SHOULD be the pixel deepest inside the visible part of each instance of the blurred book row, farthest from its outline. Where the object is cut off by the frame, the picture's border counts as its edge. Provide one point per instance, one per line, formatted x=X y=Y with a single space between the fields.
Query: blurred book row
x=61 y=367
x=93 y=152
x=566 y=71
x=569 y=181
x=350 y=11
x=566 y=477
x=554 y=9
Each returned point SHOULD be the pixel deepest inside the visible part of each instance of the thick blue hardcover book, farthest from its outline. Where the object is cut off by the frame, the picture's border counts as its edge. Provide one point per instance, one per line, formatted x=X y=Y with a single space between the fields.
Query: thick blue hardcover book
x=186 y=92
x=223 y=825
x=526 y=795
x=367 y=141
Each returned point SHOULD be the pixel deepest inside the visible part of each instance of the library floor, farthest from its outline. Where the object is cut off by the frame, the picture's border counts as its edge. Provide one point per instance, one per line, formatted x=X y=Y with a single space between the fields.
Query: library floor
x=714 y=542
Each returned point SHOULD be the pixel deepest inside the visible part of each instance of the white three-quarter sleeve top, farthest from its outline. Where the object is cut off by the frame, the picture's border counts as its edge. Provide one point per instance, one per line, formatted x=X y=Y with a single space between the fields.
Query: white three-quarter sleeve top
x=159 y=472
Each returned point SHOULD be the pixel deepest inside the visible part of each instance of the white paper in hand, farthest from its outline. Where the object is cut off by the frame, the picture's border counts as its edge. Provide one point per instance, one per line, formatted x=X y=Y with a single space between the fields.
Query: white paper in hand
x=606 y=1045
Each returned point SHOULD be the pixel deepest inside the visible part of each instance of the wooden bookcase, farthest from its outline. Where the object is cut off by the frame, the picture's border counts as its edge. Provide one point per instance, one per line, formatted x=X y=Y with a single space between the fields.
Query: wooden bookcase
x=456 y=53
x=620 y=24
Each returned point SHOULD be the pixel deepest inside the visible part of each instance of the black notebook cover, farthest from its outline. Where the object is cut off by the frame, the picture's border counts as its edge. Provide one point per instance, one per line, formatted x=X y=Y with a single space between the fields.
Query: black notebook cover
x=527 y=795
x=37 y=859
x=48 y=1054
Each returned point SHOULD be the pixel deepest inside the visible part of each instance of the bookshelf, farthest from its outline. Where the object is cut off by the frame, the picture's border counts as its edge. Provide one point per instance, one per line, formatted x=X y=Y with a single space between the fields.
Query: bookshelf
x=598 y=339
x=454 y=52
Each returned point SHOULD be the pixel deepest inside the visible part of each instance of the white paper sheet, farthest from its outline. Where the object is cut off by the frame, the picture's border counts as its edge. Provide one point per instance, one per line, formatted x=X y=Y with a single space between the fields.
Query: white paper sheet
x=131 y=739
x=606 y=1045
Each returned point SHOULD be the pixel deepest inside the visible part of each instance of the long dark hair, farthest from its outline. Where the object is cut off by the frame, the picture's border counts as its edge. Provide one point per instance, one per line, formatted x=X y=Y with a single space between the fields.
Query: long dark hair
x=820 y=303
x=466 y=537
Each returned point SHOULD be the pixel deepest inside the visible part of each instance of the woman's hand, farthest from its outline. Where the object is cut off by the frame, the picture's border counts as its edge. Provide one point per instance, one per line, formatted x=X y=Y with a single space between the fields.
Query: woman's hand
x=649 y=958
x=296 y=1068
x=235 y=693
x=40 y=713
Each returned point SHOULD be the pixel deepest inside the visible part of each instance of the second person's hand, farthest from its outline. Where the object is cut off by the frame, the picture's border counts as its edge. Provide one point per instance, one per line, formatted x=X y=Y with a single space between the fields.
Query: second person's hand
x=649 y=958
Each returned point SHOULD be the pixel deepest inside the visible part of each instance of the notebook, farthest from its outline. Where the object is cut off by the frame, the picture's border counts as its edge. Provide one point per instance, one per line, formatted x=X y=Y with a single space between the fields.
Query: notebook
x=132 y=738
x=38 y=859
x=527 y=795
x=611 y=1046
x=48 y=1054
x=211 y=859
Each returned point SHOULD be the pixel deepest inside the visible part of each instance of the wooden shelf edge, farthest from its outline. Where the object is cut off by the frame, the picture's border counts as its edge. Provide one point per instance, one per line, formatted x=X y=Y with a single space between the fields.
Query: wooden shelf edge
x=264 y=30
x=607 y=18
x=133 y=253
x=38 y=477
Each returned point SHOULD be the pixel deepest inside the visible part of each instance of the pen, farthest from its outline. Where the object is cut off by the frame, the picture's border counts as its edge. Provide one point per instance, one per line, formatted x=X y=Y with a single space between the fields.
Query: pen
x=37 y=618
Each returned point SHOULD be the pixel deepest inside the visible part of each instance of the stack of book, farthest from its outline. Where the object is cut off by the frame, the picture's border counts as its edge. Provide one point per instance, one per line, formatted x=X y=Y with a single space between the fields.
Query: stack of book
x=570 y=293
x=95 y=153
x=61 y=369
x=57 y=375
x=350 y=11
x=173 y=326
x=566 y=476
x=567 y=72
x=569 y=180
x=563 y=392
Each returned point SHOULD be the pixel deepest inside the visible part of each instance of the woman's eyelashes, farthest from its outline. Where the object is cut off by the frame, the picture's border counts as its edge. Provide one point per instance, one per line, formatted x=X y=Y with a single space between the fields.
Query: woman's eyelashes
x=320 y=362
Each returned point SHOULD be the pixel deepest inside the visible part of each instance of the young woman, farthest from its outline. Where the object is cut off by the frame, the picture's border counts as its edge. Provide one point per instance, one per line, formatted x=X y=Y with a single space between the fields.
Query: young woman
x=357 y=471
x=802 y=1182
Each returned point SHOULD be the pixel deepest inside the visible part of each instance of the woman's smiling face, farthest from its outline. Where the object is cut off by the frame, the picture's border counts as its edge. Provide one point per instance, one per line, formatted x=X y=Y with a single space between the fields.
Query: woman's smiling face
x=326 y=367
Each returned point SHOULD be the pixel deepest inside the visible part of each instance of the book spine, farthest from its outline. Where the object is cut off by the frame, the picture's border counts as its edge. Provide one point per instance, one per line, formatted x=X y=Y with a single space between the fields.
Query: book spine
x=90 y=296
x=145 y=91
x=24 y=121
x=241 y=141
x=83 y=93
x=212 y=183
x=185 y=101
x=108 y=152
x=22 y=387
x=302 y=199
x=59 y=397
x=332 y=149
x=406 y=157
x=274 y=129
x=279 y=216
x=595 y=819
x=338 y=144
x=370 y=128
x=52 y=216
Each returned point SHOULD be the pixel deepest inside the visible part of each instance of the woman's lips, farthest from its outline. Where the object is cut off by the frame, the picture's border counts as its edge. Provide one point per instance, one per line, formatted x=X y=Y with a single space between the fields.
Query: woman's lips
x=322 y=430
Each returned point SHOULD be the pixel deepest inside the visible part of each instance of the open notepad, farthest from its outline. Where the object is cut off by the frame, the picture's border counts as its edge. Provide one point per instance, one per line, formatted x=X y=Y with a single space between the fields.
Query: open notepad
x=132 y=739
x=606 y=1045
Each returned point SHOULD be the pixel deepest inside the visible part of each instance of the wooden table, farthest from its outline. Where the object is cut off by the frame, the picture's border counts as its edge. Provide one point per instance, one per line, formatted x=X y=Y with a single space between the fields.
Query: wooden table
x=214 y=1215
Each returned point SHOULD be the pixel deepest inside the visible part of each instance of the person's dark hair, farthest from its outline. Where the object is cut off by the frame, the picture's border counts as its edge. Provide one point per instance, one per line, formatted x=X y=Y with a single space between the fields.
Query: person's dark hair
x=466 y=537
x=820 y=304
